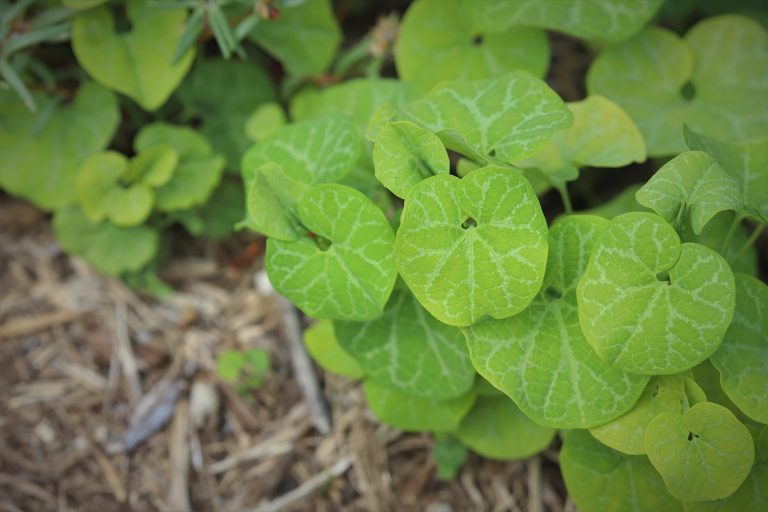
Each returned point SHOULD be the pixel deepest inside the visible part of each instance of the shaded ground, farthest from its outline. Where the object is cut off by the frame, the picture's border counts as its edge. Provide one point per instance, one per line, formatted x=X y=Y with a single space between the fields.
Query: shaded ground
x=88 y=366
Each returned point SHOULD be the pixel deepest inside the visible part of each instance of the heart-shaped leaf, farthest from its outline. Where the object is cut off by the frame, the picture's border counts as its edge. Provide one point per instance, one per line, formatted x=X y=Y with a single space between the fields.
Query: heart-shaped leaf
x=106 y=247
x=507 y=118
x=407 y=350
x=413 y=414
x=40 y=161
x=322 y=345
x=649 y=304
x=137 y=63
x=665 y=393
x=742 y=359
x=600 y=479
x=405 y=154
x=199 y=169
x=691 y=183
x=439 y=40
x=304 y=37
x=598 y=20
x=541 y=359
x=495 y=428
x=746 y=162
x=704 y=454
x=344 y=266
x=752 y=496
x=473 y=247
x=708 y=80
x=271 y=200
x=602 y=135
x=222 y=94
x=318 y=150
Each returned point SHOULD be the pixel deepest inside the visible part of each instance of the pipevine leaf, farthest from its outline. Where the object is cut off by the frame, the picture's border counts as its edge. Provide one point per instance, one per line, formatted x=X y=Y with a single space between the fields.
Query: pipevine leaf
x=540 y=357
x=324 y=348
x=271 y=200
x=649 y=304
x=407 y=350
x=497 y=429
x=414 y=414
x=405 y=154
x=602 y=135
x=716 y=231
x=314 y=151
x=358 y=99
x=704 y=454
x=304 y=37
x=41 y=162
x=264 y=121
x=600 y=479
x=751 y=496
x=507 y=118
x=473 y=247
x=107 y=248
x=153 y=167
x=745 y=161
x=707 y=80
x=439 y=40
x=137 y=63
x=215 y=219
x=222 y=94
x=742 y=359
x=344 y=267
x=449 y=455
x=103 y=195
x=198 y=171
x=665 y=393
x=608 y=22
x=691 y=183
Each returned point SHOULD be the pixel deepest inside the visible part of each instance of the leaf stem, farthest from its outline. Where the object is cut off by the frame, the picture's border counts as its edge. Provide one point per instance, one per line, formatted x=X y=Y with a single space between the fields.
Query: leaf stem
x=563 y=189
x=749 y=243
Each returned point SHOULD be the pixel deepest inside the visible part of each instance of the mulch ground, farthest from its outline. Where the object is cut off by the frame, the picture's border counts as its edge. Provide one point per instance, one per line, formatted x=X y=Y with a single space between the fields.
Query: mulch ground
x=110 y=401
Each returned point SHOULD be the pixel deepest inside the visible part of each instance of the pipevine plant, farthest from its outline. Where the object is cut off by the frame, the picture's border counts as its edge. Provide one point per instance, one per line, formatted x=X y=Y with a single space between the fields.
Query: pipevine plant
x=405 y=215
x=412 y=216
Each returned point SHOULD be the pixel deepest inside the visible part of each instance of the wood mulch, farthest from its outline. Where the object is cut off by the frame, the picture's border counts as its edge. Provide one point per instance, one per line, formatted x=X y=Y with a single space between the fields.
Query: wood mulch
x=109 y=400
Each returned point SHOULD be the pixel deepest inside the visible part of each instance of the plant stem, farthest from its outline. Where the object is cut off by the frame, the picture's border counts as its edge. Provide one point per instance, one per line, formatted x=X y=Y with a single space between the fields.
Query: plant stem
x=563 y=189
x=727 y=240
x=750 y=241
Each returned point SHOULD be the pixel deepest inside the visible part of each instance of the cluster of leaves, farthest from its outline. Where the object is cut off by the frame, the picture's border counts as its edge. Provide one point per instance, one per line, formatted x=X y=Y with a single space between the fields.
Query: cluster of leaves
x=111 y=118
x=404 y=215
x=245 y=370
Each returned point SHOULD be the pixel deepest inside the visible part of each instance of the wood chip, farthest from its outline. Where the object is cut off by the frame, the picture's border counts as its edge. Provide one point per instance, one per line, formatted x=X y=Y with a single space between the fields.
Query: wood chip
x=306 y=489
x=27 y=326
x=178 y=448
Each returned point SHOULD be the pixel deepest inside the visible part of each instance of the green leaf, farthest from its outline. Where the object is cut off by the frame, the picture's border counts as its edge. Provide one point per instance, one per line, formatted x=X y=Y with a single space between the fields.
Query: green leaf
x=449 y=455
x=704 y=454
x=358 y=99
x=649 y=304
x=81 y=4
x=103 y=195
x=600 y=479
x=217 y=217
x=271 y=200
x=439 y=41
x=40 y=162
x=623 y=202
x=540 y=357
x=690 y=184
x=716 y=231
x=318 y=150
x=229 y=364
x=304 y=38
x=602 y=135
x=136 y=63
x=751 y=496
x=405 y=154
x=742 y=359
x=264 y=121
x=708 y=80
x=473 y=247
x=198 y=172
x=708 y=378
x=407 y=350
x=495 y=428
x=665 y=393
x=507 y=118
x=598 y=20
x=153 y=167
x=745 y=161
x=107 y=248
x=222 y=94
x=344 y=267
x=324 y=348
x=413 y=414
